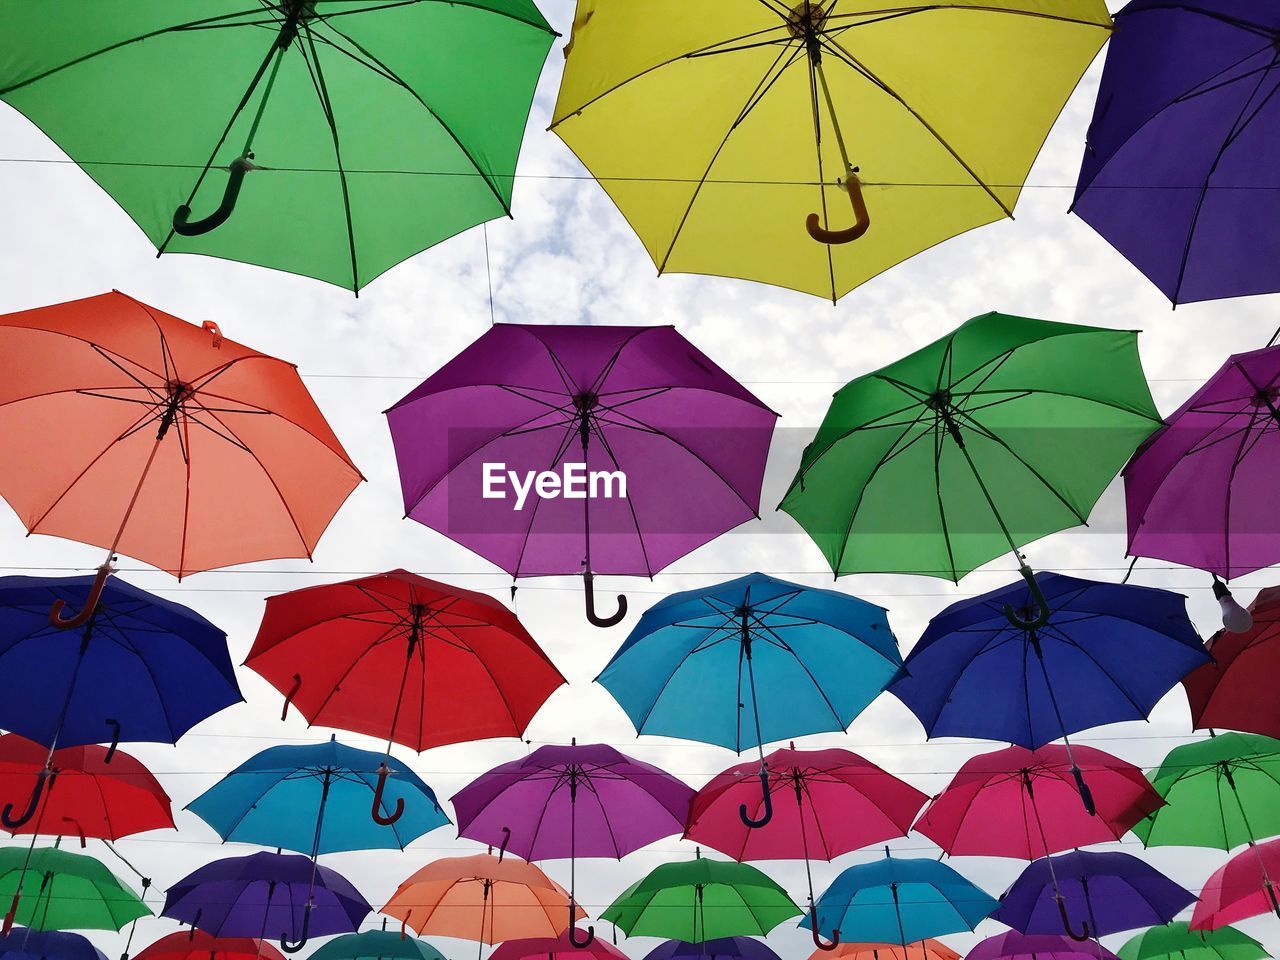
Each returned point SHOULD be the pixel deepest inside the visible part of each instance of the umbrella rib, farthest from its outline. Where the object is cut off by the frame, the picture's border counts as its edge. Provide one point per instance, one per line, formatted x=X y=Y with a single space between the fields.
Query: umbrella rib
x=393 y=4
x=560 y=451
x=1231 y=479
x=1184 y=7
x=942 y=510
x=383 y=638
x=962 y=8
x=817 y=149
x=1067 y=640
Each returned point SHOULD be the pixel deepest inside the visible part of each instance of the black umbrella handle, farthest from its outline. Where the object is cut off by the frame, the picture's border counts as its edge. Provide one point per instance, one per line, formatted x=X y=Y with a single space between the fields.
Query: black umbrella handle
x=861 y=218
x=1040 y=609
x=90 y=604
x=288 y=947
x=182 y=222
x=1085 y=793
x=573 y=930
x=1066 y=922
x=767 y=796
x=588 y=582
x=6 y=815
x=378 y=817
x=826 y=945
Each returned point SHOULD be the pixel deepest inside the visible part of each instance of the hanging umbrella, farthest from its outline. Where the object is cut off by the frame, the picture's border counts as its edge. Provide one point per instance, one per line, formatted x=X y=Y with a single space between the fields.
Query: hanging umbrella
x=556 y=948
x=1241 y=888
x=1024 y=803
x=25 y=944
x=332 y=140
x=1012 y=945
x=1177 y=942
x=482 y=898
x=1236 y=692
x=461 y=666
x=1004 y=431
x=377 y=945
x=699 y=900
x=1220 y=793
x=1097 y=653
x=671 y=448
x=1177 y=170
x=725 y=948
x=574 y=801
x=924 y=950
x=717 y=134
x=197 y=944
x=263 y=893
x=893 y=900
x=1099 y=893
x=51 y=889
x=829 y=803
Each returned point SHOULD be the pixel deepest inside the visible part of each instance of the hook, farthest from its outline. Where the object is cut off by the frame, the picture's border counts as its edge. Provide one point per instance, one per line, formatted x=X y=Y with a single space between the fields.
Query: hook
x=818 y=942
x=1085 y=793
x=90 y=602
x=862 y=219
x=1066 y=922
x=6 y=815
x=182 y=223
x=506 y=838
x=214 y=331
x=293 y=692
x=79 y=830
x=588 y=580
x=115 y=738
x=383 y=772
x=767 y=796
x=288 y=947
x=404 y=921
x=573 y=930
x=1041 y=606
x=191 y=934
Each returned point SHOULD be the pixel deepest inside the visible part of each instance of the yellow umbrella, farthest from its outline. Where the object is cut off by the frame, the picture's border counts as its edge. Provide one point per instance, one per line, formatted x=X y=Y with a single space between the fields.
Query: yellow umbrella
x=719 y=126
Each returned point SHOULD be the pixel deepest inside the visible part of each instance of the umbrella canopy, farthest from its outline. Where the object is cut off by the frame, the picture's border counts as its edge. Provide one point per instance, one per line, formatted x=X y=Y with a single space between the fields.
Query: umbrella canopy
x=26 y=944
x=1198 y=492
x=1095 y=893
x=94 y=797
x=1019 y=946
x=1220 y=793
x=196 y=944
x=717 y=129
x=699 y=900
x=672 y=450
x=482 y=898
x=725 y=948
x=1024 y=804
x=1235 y=692
x=359 y=126
x=315 y=798
x=556 y=948
x=1243 y=887
x=893 y=900
x=1004 y=431
x=1178 y=168
x=927 y=949
x=376 y=945
x=1177 y=942
x=51 y=889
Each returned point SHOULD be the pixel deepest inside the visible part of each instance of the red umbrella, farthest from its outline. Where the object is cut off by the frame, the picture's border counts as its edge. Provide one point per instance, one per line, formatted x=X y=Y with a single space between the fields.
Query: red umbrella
x=91 y=792
x=1241 y=888
x=197 y=944
x=1237 y=692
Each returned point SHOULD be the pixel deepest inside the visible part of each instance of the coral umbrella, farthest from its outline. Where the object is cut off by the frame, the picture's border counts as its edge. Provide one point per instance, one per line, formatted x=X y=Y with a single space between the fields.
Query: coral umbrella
x=1236 y=692
x=556 y=948
x=1020 y=946
x=1024 y=803
x=483 y=898
x=927 y=949
x=1177 y=942
x=725 y=948
x=377 y=945
x=1243 y=887
x=196 y=944
x=671 y=450
x=23 y=943
x=52 y=889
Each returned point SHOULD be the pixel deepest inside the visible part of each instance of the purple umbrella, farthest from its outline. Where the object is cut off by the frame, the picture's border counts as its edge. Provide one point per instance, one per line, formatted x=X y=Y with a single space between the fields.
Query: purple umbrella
x=1100 y=892
x=726 y=948
x=574 y=801
x=1181 y=170
x=267 y=895
x=1019 y=946
x=631 y=448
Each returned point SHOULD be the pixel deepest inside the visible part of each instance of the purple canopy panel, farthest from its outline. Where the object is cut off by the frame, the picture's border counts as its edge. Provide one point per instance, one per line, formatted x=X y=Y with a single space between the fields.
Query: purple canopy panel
x=725 y=948
x=1019 y=946
x=1181 y=172
x=1202 y=490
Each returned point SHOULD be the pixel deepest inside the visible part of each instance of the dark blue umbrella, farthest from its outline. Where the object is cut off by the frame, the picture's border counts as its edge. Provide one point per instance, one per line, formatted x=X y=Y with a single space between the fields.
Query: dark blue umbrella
x=724 y=948
x=142 y=669
x=23 y=943
x=1099 y=893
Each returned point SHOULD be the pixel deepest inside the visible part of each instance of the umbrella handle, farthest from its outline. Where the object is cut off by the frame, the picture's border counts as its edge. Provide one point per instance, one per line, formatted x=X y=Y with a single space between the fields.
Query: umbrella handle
x=573 y=930
x=90 y=603
x=288 y=947
x=195 y=922
x=13 y=912
x=506 y=839
x=1066 y=923
x=182 y=222
x=115 y=738
x=1041 y=616
x=404 y=922
x=293 y=692
x=6 y=815
x=862 y=219
x=79 y=830
x=383 y=772
x=768 y=805
x=818 y=942
x=1085 y=793
x=588 y=581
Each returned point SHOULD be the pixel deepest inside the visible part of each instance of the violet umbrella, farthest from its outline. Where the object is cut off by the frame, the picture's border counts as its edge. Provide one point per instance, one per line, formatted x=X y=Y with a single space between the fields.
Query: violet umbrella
x=724 y=948
x=570 y=802
x=643 y=450
x=1012 y=945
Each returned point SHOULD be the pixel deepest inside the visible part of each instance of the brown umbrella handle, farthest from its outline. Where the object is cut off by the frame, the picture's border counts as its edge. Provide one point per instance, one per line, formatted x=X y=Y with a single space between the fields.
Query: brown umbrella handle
x=378 y=817
x=818 y=942
x=862 y=219
x=1066 y=923
x=90 y=604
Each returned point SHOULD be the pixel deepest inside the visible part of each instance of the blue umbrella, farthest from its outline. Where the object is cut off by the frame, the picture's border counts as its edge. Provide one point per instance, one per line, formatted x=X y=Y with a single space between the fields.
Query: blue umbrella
x=23 y=943
x=375 y=945
x=899 y=901
x=142 y=669
x=315 y=799
x=751 y=661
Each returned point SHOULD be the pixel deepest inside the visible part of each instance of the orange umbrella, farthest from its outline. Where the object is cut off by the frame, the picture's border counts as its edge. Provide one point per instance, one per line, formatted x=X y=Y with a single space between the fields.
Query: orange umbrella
x=485 y=898
x=925 y=950
x=130 y=429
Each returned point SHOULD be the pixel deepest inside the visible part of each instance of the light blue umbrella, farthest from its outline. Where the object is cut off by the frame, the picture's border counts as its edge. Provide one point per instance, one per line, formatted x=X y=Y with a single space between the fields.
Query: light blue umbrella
x=376 y=945
x=751 y=661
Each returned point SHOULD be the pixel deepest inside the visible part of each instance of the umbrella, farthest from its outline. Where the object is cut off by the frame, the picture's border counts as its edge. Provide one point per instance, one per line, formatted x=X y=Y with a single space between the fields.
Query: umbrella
x=830 y=802
x=377 y=945
x=197 y=944
x=1099 y=653
x=656 y=449
x=1236 y=691
x=52 y=889
x=333 y=140
x=574 y=801
x=461 y=665
x=1241 y=888
x=893 y=900
x=725 y=948
x=1177 y=170
x=1220 y=793
x=699 y=900
x=267 y=892
x=26 y=944
x=1105 y=892
x=1012 y=945
x=1177 y=942
x=1004 y=431
x=717 y=129
x=483 y=898
x=556 y=948
x=925 y=950
x=1024 y=803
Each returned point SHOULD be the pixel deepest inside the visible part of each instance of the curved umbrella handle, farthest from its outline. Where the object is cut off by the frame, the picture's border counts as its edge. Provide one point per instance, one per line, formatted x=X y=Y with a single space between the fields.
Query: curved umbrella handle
x=1066 y=923
x=79 y=830
x=383 y=772
x=818 y=942
x=90 y=603
x=404 y=922
x=288 y=947
x=293 y=692
x=115 y=738
x=862 y=219
x=588 y=581
x=1085 y=793
x=13 y=912
x=573 y=930
x=6 y=815
x=768 y=804
x=1041 y=616
x=182 y=222
x=506 y=839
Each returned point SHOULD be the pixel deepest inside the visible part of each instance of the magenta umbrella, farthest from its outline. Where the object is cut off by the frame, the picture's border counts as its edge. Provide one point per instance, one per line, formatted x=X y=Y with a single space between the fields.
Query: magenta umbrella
x=1020 y=946
x=631 y=448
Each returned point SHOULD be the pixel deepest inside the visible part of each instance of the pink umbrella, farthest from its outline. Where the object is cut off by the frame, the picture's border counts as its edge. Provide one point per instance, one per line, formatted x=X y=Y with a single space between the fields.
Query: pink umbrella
x=1241 y=888
x=1020 y=946
x=556 y=948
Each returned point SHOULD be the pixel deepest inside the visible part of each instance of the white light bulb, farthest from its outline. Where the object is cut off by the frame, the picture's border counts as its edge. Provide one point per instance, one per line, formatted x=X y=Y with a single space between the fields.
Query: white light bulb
x=1235 y=618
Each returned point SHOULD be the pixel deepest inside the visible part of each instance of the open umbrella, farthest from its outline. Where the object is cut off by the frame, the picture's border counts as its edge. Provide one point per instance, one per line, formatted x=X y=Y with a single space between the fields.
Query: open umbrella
x=927 y=949
x=197 y=944
x=1178 y=169
x=319 y=137
x=655 y=449
x=574 y=801
x=557 y=948
x=52 y=889
x=1236 y=692
x=725 y=948
x=718 y=129
x=1013 y=945
x=1241 y=888
x=25 y=944
x=377 y=945
x=1176 y=942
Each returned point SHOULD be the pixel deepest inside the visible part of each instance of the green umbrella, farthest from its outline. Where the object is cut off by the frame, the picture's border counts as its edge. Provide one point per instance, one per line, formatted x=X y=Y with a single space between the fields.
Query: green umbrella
x=699 y=899
x=328 y=138
x=1220 y=793
x=377 y=945
x=1176 y=941
x=58 y=890
x=1002 y=432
